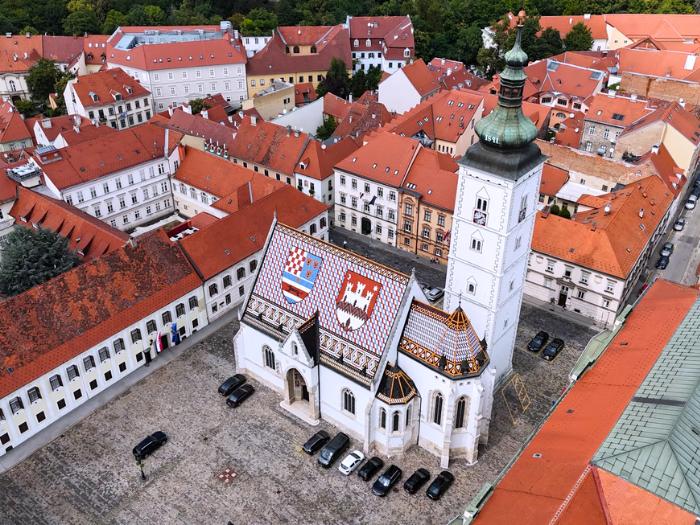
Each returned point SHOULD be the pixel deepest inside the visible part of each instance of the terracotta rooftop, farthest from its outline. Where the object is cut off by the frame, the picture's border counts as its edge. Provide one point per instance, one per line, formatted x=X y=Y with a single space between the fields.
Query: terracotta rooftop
x=52 y=127
x=420 y=77
x=102 y=88
x=452 y=74
x=552 y=77
x=8 y=187
x=553 y=179
x=87 y=305
x=617 y=111
x=553 y=467
x=98 y=157
x=304 y=93
x=363 y=116
x=273 y=59
x=88 y=236
x=75 y=136
x=196 y=126
x=318 y=159
x=433 y=176
x=393 y=31
x=335 y=106
x=609 y=239
x=659 y=63
x=243 y=233
x=12 y=126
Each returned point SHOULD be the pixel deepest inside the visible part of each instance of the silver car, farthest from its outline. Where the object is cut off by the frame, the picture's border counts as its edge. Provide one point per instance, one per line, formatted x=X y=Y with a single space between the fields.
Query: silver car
x=351 y=462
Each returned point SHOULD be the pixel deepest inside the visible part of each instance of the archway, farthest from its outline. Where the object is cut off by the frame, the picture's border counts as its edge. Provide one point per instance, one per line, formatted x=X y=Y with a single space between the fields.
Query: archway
x=297 y=391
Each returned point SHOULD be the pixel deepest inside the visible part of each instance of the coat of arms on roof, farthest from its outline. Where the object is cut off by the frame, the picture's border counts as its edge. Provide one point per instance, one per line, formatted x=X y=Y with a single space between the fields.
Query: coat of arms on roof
x=299 y=275
x=356 y=299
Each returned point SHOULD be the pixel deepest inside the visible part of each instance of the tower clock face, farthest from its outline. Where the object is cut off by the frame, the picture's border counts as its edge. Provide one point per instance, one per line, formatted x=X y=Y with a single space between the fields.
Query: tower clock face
x=480 y=217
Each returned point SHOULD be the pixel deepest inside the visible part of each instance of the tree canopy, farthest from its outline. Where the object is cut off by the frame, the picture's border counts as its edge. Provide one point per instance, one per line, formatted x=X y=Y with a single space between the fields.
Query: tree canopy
x=31 y=257
x=326 y=129
x=337 y=80
x=579 y=38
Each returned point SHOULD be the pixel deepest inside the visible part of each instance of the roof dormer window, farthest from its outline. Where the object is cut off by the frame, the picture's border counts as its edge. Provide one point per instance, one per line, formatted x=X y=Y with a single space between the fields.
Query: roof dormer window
x=117 y=96
x=407 y=53
x=356 y=43
x=94 y=96
x=368 y=42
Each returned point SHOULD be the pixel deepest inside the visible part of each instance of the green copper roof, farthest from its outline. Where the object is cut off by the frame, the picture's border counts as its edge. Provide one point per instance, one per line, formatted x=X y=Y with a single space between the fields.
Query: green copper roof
x=656 y=442
x=506 y=127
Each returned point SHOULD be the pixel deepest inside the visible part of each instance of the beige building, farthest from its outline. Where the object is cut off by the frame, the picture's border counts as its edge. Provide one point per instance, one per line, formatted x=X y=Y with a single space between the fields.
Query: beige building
x=275 y=100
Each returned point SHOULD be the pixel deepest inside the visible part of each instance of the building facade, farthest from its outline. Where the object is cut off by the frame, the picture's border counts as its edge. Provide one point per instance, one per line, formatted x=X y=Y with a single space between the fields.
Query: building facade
x=384 y=42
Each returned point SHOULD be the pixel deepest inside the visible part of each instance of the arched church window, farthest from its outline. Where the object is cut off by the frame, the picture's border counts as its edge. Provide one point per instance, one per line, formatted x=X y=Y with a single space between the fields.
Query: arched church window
x=348 y=401
x=408 y=416
x=296 y=50
x=437 y=409
x=295 y=349
x=460 y=413
x=269 y=357
x=382 y=418
x=395 y=422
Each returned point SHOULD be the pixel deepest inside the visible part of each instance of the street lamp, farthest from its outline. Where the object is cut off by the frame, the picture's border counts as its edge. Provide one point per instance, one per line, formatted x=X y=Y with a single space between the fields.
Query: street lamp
x=140 y=465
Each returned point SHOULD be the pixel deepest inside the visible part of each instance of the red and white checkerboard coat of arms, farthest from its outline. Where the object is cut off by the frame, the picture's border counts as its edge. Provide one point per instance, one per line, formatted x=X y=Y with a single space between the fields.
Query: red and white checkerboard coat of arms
x=299 y=274
x=356 y=299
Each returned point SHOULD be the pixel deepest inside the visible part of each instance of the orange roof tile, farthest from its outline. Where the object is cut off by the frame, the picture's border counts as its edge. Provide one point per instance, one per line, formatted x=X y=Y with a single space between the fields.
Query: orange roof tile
x=196 y=126
x=392 y=31
x=75 y=136
x=335 y=106
x=362 y=116
x=549 y=76
x=88 y=236
x=54 y=126
x=12 y=125
x=61 y=49
x=658 y=26
x=555 y=460
x=8 y=187
x=617 y=110
x=563 y=24
x=433 y=176
x=318 y=159
x=570 y=130
x=105 y=86
x=18 y=53
x=421 y=77
x=87 y=305
x=98 y=157
x=304 y=93
x=611 y=241
x=302 y=35
x=241 y=234
x=658 y=63
x=553 y=179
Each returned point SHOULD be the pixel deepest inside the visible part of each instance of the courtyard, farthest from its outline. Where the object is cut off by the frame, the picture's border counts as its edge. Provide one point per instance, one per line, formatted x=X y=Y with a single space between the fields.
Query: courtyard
x=89 y=476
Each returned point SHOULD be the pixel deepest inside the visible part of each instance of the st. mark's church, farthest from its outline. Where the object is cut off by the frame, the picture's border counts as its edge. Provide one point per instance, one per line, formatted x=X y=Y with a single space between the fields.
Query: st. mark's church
x=347 y=340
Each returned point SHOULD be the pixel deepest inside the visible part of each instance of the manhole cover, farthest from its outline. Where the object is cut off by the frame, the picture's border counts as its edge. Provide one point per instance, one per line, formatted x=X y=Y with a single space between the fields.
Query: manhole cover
x=226 y=476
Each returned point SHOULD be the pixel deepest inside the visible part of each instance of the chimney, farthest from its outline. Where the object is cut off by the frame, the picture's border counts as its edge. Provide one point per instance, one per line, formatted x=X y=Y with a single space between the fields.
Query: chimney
x=250 y=191
x=607 y=209
x=641 y=213
x=253 y=120
x=655 y=149
x=296 y=133
x=350 y=98
x=681 y=102
x=289 y=130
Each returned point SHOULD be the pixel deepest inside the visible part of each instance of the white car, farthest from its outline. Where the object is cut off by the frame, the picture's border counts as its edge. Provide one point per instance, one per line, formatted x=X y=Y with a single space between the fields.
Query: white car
x=691 y=202
x=351 y=462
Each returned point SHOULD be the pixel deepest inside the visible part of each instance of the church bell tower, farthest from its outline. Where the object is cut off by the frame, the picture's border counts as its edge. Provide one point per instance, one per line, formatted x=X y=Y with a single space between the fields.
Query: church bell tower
x=497 y=193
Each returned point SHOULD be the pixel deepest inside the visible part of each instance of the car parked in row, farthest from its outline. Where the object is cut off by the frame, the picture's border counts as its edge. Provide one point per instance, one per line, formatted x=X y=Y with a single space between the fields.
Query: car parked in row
x=351 y=462
x=149 y=445
x=691 y=202
x=662 y=263
x=386 y=481
x=553 y=349
x=316 y=442
x=679 y=224
x=333 y=449
x=537 y=343
x=369 y=469
x=440 y=485
x=239 y=395
x=667 y=249
x=419 y=478
x=232 y=383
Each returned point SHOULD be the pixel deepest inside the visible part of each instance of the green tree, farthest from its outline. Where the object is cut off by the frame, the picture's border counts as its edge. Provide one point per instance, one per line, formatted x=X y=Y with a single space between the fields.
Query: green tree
x=554 y=209
x=358 y=83
x=113 y=20
x=81 y=21
x=372 y=78
x=197 y=105
x=259 y=21
x=337 y=80
x=32 y=257
x=565 y=213
x=42 y=78
x=26 y=107
x=326 y=129
x=60 y=87
x=154 y=15
x=548 y=44
x=29 y=29
x=579 y=38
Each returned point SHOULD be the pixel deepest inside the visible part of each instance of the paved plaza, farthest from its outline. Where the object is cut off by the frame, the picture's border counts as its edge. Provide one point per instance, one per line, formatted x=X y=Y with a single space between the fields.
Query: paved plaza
x=88 y=474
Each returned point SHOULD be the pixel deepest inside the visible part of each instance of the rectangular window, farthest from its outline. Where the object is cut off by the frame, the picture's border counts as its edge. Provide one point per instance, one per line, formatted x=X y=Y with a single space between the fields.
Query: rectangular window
x=103 y=354
x=550 y=266
x=72 y=372
x=88 y=362
x=167 y=318
x=34 y=394
x=56 y=382
x=193 y=302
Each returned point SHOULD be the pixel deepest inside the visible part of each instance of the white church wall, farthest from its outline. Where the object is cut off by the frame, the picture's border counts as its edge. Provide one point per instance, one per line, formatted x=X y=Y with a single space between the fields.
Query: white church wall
x=248 y=346
x=332 y=387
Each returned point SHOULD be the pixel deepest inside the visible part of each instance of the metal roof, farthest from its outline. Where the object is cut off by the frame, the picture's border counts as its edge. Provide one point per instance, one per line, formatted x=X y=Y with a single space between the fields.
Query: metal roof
x=656 y=442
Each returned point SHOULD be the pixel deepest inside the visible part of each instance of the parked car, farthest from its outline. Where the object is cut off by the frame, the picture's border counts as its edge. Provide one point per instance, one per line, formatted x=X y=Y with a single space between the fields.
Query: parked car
x=419 y=478
x=440 y=484
x=149 y=445
x=239 y=395
x=386 y=481
x=351 y=462
x=316 y=442
x=537 y=343
x=231 y=384
x=553 y=349
x=370 y=468
x=691 y=202
x=667 y=249
x=433 y=294
x=662 y=263
x=333 y=449
x=679 y=224
x=695 y=190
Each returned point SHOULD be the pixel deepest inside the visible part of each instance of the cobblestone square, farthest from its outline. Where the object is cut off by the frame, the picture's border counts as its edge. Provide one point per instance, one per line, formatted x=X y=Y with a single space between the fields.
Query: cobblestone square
x=89 y=476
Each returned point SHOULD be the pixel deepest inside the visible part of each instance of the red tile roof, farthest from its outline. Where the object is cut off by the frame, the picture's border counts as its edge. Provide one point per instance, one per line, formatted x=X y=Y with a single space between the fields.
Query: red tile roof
x=12 y=125
x=75 y=136
x=420 y=77
x=363 y=116
x=553 y=179
x=269 y=145
x=88 y=236
x=8 y=187
x=105 y=85
x=87 y=305
x=61 y=49
x=304 y=93
x=664 y=64
x=547 y=471
x=196 y=126
x=273 y=59
x=303 y=35
x=549 y=76
x=318 y=159
x=617 y=110
x=433 y=175
x=98 y=157
x=611 y=241
x=18 y=53
x=54 y=126
x=452 y=74
x=563 y=24
x=570 y=130
x=392 y=31
x=231 y=239
x=335 y=106
x=94 y=46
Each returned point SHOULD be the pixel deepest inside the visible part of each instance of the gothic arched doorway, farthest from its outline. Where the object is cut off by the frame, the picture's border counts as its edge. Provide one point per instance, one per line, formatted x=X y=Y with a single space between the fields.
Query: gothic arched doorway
x=297 y=390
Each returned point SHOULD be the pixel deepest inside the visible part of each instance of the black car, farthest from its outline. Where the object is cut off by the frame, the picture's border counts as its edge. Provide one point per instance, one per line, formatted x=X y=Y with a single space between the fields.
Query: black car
x=552 y=349
x=369 y=469
x=239 y=395
x=333 y=449
x=149 y=445
x=440 y=485
x=315 y=442
x=231 y=384
x=386 y=481
x=662 y=263
x=419 y=478
x=537 y=343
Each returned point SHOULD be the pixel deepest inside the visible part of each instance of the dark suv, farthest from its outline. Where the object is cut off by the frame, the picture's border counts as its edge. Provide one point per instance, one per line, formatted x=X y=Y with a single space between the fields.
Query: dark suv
x=315 y=442
x=149 y=445
x=538 y=342
x=231 y=384
x=386 y=481
x=333 y=449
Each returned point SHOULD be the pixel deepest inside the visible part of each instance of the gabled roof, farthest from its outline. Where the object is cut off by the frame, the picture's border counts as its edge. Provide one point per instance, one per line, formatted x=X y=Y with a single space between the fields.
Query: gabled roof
x=75 y=136
x=196 y=126
x=103 y=88
x=96 y=158
x=61 y=49
x=304 y=93
x=230 y=240
x=87 y=305
x=268 y=144
x=335 y=106
x=608 y=240
x=660 y=27
x=274 y=60
x=420 y=77
x=303 y=35
x=433 y=177
x=616 y=110
x=550 y=76
x=8 y=187
x=358 y=301
x=18 y=53
x=87 y=235
x=12 y=125
x=659 y=63
x=563 y=24
x=318 y=159
x=553 y=466
x=394 y=31
x=452 y=74
x=655 y=442
x=362 y=117
x=52 y=127
x=553 y=179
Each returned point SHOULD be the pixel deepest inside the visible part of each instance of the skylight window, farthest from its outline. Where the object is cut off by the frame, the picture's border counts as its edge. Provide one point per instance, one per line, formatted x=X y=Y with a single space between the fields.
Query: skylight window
x=618 y=116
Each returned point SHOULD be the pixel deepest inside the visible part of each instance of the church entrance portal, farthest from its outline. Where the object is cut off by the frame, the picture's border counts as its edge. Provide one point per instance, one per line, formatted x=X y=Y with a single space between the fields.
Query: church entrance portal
x=366 y=227
x=296 y=387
